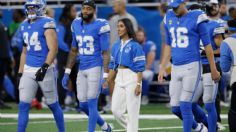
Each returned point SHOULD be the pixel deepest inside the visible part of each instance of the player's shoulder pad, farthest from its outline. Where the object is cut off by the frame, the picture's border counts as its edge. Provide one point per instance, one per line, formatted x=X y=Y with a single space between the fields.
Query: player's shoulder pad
x=170 y=13
x=104 y=26
x=200 y=15
x=76 y=21
x=218 y=28
x=136 y=45
x=152 y=45
x=48 y=23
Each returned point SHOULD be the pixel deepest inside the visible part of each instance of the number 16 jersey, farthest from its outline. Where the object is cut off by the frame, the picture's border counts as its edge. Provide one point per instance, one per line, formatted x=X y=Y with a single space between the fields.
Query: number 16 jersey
x=183 y=35
x=90 y=39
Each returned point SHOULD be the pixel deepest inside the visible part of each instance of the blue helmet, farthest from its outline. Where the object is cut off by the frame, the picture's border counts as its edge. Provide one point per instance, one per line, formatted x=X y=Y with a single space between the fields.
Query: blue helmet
x=35 y=6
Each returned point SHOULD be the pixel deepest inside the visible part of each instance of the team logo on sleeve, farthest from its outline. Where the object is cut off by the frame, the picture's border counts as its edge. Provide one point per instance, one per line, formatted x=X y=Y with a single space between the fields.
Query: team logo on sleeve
x=50 y=24
x=105 y=29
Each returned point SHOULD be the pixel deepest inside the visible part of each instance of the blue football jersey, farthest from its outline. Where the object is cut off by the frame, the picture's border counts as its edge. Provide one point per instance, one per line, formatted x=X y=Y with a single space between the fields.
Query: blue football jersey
x=130 y=55
x=148 y=47
x=90 y=39
x=32 y=35
x=183 y=35
x=214 y=29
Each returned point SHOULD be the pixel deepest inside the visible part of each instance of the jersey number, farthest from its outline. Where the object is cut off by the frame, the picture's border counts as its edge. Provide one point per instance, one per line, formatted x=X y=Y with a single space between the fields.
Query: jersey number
x=181 y=40
x=89 y=46
x=34 y=41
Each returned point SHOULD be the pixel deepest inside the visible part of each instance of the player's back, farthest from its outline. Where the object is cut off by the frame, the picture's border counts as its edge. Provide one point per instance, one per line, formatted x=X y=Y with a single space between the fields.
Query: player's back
x=33 y=36
x=184 y=35
x=89 y=41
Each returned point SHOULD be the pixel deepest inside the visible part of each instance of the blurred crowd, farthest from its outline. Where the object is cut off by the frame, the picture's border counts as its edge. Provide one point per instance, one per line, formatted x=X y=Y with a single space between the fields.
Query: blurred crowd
x=10 y=53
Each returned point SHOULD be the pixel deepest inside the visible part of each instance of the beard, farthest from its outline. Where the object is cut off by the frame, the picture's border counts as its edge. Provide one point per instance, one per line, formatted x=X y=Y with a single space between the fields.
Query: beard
x=87 y=18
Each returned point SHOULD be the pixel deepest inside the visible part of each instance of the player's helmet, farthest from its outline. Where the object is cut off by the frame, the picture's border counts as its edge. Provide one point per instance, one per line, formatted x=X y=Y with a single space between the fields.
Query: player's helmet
x=34 y=8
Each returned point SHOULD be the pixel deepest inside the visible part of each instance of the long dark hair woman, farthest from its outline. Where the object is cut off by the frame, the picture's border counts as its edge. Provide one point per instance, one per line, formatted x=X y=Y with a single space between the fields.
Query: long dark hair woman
x=128 y=61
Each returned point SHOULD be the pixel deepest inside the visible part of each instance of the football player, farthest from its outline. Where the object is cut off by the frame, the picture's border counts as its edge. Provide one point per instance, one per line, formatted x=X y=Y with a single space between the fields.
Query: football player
x=91 y=41
x=184 y=29
x=39 y=38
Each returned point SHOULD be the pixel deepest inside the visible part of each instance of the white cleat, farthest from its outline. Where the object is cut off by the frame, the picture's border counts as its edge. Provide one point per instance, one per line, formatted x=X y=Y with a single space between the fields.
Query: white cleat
x=220 y=127
x=201 y=128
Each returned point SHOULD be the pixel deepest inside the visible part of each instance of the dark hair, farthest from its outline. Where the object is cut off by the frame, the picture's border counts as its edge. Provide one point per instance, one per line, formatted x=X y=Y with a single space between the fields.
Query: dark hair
x=65 y=17
x=164 y=7
x=231 y=9
x=129 y=27
x=195 y=7
x=20 y=12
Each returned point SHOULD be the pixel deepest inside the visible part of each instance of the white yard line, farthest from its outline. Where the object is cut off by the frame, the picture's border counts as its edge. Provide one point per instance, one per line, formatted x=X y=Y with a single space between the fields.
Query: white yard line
x=105 y=116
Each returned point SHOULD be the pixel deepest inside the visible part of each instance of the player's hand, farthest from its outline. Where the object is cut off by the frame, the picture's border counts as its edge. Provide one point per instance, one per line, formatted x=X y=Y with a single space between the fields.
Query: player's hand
x=215 y=75
x=65 y=81
x=138 y=90
x=40 y=74
x=161 y=75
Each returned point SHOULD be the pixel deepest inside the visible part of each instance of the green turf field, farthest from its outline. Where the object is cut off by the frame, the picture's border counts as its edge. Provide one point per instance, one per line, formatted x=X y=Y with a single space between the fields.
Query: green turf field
x=80 y=124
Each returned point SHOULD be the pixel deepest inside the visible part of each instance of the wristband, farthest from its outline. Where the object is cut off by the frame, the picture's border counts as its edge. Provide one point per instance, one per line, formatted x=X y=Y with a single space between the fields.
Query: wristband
x=139 y=84
x=105 y=75
x=68 y=70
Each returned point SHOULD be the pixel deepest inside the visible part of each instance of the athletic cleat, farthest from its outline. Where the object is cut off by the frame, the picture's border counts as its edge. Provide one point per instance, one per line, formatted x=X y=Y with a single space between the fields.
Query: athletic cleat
x=109 y=129
x=220 y=127
x=201 y=128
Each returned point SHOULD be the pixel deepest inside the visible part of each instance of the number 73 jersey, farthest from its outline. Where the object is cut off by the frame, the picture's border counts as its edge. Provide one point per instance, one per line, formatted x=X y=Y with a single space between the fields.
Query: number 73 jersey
x=183 y=35
x=32 y=36
x=90 y=40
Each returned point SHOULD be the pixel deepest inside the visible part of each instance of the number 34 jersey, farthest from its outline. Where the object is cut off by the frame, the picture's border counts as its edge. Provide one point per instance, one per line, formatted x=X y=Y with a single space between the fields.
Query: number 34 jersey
x=90 y=39
x=183 y=35
x=32 y=36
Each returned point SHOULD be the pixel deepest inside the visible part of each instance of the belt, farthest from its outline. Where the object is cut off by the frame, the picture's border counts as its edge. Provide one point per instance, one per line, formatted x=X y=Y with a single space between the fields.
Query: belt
x=123 y=67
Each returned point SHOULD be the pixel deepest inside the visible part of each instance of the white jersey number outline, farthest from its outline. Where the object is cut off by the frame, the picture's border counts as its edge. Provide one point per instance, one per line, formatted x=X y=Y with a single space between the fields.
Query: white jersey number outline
x=182 y=38
x=34 y=41
x=89 y=45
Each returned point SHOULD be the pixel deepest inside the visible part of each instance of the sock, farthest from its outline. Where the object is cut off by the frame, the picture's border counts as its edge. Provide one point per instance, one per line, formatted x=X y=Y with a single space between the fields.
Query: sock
x=199 y=114
x=84 y=108
x=69 y=93
x=93 y=114
x=187 y=114
x=212 y=116
x=23 y=116
x=145 y=87
x=58 y=116
x=176 y=110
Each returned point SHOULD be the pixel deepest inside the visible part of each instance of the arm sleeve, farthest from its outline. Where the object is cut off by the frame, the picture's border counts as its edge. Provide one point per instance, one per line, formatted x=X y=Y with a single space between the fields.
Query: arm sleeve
x=112 y=64
x=139 y=61
x=203 y=32
x=49 y=24
x=104 y=41
x=168 y=39
x=74 y=42
x=225 y=58
x=219 y=30
x=61 y=35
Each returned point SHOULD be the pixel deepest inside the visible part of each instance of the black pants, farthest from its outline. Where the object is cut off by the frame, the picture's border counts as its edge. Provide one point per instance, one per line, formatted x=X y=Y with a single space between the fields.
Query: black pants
x=232 y=110
x=61 y=64
x=62 y=60
x=3 y=68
